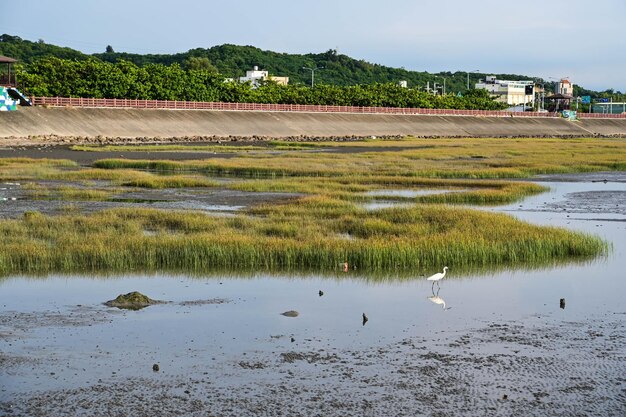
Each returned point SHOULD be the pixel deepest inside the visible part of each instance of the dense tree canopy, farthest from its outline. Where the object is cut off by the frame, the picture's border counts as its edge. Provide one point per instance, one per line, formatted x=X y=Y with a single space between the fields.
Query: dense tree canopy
x=123 y=79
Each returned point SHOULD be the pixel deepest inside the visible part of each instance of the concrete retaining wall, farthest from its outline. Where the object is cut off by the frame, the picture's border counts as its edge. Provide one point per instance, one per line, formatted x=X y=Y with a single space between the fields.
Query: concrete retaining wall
x=91 y=122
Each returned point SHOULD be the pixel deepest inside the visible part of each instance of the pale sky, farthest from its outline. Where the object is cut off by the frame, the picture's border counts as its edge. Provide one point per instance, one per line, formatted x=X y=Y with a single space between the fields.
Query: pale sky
x=581 y=39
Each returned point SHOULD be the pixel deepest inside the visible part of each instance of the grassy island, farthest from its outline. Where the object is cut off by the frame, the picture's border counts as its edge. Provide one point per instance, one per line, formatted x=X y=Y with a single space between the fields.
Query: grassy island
x=324 y=218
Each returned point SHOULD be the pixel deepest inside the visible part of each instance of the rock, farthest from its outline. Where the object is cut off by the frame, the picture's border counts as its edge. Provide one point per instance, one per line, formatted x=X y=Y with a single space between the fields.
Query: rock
x=562 y=303
x=155 y=367
x=321 y=293
x=132 y=301
x=290 y=313
x=364 y=319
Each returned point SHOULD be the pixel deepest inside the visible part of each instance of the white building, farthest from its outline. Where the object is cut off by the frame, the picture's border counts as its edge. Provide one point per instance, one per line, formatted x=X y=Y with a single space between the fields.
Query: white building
x=565 y=87
x=510 y=92
x=256 y=75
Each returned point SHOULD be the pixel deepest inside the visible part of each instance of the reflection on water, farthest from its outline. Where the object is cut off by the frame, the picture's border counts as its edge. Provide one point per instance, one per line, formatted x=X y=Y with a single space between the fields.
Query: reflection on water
x=378 y=205
x=398 y=198
x=409 y=193
x=371 y=277
x=435 y=298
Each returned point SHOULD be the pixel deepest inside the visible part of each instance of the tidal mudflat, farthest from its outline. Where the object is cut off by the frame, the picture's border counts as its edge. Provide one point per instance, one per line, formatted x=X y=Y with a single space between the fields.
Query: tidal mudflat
x=548 y=341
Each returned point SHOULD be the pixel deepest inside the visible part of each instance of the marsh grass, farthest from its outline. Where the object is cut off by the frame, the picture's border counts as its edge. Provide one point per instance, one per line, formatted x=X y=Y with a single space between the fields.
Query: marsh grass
x=423 y=158
x=177 y=181
x=355 y=188
x=12 y=169
x=323 y=227
x=302 y=235
x=37 y=170
x=39 y=192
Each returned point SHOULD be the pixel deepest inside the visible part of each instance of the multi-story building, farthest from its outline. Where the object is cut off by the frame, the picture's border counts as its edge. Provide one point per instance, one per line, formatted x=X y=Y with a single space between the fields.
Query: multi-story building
x=256 y=75
x=565 y=87
x=510 y=92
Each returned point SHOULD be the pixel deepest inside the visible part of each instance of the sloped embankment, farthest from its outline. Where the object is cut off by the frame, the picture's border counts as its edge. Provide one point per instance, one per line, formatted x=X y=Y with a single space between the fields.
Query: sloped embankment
x=107 y=122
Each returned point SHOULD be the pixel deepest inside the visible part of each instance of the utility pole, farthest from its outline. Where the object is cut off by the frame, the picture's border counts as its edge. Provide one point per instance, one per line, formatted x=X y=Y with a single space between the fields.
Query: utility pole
x=468 y=73
x=313 y=73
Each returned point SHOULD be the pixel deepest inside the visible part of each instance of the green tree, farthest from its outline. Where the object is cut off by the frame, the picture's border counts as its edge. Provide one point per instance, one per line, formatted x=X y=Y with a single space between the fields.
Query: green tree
x=199 y=63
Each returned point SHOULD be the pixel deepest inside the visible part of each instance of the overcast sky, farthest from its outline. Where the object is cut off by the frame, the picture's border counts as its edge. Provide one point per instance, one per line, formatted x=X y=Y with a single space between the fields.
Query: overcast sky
x=581 y=39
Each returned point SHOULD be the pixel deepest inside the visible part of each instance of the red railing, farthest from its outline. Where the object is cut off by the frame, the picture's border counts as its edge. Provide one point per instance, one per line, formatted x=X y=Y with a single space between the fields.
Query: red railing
x=199 y=105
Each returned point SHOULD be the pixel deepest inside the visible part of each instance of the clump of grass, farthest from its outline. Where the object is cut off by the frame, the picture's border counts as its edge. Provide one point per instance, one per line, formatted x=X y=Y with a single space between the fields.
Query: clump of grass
x=177 y=181
x=285 y=145
x=308 y=234
x=20 y=169
x=214 y=167
x=161 y=165
x=37 y=162
x=60 y=192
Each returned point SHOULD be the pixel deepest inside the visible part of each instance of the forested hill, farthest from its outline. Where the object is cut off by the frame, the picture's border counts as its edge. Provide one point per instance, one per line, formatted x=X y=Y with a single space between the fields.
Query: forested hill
x=338 y=69
x=27 y=51
x=233 y=61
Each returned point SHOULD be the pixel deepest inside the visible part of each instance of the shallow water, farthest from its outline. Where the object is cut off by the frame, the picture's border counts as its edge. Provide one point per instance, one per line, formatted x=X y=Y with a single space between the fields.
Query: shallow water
x=408 y=193
x=68 y=339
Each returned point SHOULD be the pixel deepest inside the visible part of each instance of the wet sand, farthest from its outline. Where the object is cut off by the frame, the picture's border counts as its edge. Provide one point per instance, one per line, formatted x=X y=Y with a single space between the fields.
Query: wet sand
x=538 y=366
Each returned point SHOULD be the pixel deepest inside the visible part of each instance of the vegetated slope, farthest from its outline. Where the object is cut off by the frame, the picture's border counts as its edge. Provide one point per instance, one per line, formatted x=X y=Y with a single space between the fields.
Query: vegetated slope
x=27 y=51
x=234 y=61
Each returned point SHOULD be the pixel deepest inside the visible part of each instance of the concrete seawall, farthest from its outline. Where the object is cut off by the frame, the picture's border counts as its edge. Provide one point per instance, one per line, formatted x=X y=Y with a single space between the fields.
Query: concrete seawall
x=92 y=122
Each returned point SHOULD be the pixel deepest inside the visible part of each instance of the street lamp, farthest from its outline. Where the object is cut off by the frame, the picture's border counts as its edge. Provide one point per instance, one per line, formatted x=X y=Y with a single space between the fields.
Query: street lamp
x=539 y=96
x=312 y=73
x=468 y=73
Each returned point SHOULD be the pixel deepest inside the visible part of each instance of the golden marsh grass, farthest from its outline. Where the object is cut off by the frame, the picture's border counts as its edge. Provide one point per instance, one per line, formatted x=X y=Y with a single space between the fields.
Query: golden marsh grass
x=327 y=224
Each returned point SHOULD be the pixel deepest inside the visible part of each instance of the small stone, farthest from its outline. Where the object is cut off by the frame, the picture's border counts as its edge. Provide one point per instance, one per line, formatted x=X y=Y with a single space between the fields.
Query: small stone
x=290 y=313
x=321 y=293
x=156 y=367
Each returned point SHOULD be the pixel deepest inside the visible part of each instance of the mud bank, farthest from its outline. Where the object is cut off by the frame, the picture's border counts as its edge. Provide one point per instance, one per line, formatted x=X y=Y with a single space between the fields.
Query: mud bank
x=159 y=123
x=541 y=366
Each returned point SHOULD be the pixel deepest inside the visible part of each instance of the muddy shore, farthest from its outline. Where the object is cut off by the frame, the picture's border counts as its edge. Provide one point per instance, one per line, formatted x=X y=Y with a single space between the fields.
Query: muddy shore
x=539 y=366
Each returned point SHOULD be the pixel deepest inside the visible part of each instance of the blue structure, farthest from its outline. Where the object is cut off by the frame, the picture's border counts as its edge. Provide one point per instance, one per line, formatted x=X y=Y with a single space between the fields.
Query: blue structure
x=6 y=102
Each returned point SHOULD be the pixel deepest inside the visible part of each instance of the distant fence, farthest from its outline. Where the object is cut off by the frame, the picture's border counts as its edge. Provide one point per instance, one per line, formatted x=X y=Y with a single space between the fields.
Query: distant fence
x=200 y=105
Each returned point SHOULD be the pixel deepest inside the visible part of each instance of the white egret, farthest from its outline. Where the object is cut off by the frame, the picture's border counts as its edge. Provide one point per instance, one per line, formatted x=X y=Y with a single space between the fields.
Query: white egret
x=438 y=276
